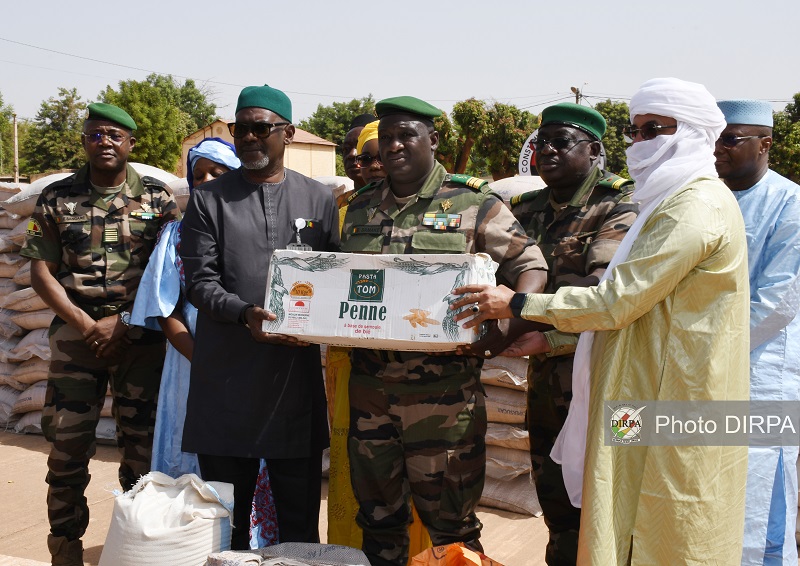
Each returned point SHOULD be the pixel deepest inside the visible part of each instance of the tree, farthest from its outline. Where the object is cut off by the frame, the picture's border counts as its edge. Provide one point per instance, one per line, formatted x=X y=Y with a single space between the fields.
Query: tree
x=471 y=118
x=785 y=153
x=617 y=115
x=507 y=128
x=165 y=113
x=6 y=138
x=333 y=122
x=54 y=137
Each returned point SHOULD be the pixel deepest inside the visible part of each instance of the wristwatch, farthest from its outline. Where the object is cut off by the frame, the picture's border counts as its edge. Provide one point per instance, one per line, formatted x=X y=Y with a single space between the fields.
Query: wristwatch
x=125 y=317
x=517 y=303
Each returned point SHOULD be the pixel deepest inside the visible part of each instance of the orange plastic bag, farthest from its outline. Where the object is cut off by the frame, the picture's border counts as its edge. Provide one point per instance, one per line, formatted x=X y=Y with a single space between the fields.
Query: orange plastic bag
x=455 y=554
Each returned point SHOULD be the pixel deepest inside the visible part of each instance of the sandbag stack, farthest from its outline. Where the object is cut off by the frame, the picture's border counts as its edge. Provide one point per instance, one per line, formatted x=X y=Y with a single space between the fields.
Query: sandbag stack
x=24 y=322
x=508 y=464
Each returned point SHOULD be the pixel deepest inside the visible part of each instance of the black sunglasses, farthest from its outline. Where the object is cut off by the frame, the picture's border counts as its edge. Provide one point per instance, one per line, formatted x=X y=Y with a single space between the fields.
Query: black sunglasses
x=648 y=131
x=557 y=144
x=240 y=130
x=730 y=141
x=365 y=159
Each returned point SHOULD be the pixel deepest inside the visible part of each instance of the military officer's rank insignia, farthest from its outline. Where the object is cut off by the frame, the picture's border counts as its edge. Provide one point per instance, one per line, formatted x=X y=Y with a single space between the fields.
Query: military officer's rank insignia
x=441 y=221
x=71 y=206
x=110 y=235
x=33 y=228
x=146 y=215
x=146 y=207
x=371 y=213
x=446 y=204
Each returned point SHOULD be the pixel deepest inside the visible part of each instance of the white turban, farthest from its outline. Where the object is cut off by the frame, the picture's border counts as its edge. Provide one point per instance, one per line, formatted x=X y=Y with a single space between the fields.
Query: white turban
x=660 y=167
x=664 y=164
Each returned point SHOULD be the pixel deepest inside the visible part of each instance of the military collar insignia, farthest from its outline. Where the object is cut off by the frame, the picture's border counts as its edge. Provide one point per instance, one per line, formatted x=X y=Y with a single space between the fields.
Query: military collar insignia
x=146 y=207
x=446 y=204
x=371 y=213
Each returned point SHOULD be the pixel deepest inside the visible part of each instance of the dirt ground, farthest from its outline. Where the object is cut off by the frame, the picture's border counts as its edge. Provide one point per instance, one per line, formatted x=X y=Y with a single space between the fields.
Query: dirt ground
x=511 y=539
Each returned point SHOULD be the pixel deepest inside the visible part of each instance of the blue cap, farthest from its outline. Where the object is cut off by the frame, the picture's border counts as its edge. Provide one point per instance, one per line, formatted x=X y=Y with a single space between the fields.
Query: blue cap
x=747 y=112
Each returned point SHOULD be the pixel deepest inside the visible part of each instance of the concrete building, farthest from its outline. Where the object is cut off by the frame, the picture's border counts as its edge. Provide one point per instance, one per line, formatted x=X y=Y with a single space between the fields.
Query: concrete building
x=308 y=154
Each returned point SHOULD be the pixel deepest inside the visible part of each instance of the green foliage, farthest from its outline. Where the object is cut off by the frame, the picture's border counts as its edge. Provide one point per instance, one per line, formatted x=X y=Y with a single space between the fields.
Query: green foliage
x=784 y=156
x=165 y=113
x=6 y=138
x=471 y=119
x=447 y=152
x=53 y=140
x=333 y=122
x=617 y=115
x=507 y=128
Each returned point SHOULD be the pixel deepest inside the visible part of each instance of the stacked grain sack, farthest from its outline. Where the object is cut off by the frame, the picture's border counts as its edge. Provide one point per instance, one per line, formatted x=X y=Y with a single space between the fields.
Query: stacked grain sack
x=509 y=484
x=25 y=318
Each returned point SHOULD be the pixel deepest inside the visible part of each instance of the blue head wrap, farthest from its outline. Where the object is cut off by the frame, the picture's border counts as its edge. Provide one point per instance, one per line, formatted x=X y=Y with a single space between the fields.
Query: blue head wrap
x=214 y=149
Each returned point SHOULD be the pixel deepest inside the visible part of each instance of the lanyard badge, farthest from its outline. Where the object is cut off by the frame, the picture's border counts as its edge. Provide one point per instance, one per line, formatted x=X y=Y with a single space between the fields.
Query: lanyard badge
x=298 y=244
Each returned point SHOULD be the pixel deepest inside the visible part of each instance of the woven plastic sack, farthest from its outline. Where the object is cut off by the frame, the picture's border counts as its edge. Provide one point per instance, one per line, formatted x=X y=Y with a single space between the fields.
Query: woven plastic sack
x=8 y=327
x=510 y=436
x=29 y=423
x=24 y=201
x=292 y=553
x=31 y=371
x=169 y=522
x=31 y=320
x=23 y=276
x=24 y=300
x=34 y=344
x=505 y=405
x=455 y=554
x=32 y=399
x=517 y=495
x=10 y=264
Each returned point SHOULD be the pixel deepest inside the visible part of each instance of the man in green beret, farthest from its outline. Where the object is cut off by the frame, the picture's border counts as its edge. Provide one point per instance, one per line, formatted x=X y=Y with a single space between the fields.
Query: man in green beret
x=418 y=421
x=89 y=240
x=266 y=389
x=578 y=220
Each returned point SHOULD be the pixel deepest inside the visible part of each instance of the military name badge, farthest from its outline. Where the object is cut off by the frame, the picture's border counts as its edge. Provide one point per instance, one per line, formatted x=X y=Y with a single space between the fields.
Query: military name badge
x=439 y=221
x=298 y=245
x=33 y=229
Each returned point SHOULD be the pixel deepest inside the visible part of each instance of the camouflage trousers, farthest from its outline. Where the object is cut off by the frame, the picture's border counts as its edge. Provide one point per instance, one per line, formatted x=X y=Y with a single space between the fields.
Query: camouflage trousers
x=76 y=387
x=417 y=430
x=549 y=396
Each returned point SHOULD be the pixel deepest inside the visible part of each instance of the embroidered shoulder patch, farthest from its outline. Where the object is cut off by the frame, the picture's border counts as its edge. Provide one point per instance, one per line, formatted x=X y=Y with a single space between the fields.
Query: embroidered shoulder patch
x=33 y=229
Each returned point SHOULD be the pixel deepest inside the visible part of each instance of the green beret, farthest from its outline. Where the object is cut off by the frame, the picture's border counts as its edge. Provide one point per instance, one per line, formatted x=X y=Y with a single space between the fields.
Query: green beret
x=582 y=117
x=265 y=97
x=406 y=105
x=111 y=113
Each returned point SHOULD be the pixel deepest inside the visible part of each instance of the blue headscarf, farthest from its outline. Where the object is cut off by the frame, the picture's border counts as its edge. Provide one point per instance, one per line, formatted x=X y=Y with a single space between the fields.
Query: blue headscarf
x=215 y=149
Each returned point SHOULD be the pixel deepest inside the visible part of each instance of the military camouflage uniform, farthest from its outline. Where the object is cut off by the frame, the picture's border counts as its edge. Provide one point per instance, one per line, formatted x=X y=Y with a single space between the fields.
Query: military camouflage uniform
x=417 y=423
x=101 y=249
x=578 y=240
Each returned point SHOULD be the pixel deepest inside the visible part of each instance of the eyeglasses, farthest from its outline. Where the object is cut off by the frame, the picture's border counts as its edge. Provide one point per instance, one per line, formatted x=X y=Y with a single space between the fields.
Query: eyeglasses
x=240 y=130
x=113 y=137
x=365 y=159
x=557 y=144
x=730 y=141
x=648 y=131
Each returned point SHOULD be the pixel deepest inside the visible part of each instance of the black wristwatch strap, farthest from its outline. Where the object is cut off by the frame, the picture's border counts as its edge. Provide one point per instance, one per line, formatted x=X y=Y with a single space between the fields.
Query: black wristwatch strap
x=517 y=303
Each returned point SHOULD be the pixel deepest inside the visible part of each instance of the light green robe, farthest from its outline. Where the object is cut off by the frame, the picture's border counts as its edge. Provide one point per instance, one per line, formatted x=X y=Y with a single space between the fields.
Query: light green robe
x=672 y=324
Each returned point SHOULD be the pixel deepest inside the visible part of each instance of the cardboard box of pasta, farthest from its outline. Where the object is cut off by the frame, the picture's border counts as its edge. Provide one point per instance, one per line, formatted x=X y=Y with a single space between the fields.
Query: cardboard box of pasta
x=388 y=302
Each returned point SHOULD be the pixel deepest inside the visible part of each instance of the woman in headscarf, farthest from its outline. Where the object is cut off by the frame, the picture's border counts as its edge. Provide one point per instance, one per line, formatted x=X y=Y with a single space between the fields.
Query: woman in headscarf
x=163 y=305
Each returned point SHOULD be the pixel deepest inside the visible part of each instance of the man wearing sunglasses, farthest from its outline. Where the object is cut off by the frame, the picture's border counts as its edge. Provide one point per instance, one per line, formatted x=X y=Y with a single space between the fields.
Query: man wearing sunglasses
x=770 y=205
x=578 y=220
x=254 y=395
x=668 y=321
x=89 y=239
x=418 y=422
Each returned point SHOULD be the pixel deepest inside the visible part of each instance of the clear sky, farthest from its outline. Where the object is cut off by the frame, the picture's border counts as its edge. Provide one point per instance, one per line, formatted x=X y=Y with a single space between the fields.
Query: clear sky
x=527 y=53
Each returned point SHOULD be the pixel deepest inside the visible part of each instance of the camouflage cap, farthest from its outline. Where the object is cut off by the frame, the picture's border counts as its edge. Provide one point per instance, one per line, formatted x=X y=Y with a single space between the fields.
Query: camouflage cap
x=582 y=117
x=265 y=97
x=406 y=105
x=111 y=113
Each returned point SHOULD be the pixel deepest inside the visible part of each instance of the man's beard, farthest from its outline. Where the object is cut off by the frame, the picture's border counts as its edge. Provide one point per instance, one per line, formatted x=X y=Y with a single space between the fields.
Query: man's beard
x=256 y=165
